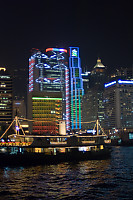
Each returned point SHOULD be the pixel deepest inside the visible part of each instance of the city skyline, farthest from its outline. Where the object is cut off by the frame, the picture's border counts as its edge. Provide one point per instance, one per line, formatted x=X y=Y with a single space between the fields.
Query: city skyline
x=66 y=110
x=98 y=28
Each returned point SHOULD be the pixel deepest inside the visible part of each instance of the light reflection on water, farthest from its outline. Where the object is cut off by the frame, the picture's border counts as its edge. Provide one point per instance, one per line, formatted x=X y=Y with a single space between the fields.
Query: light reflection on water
x=97 y=179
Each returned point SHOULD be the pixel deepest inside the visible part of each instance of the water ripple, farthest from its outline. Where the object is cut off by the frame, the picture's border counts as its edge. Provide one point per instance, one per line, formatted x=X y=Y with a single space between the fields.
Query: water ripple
x=102 y=179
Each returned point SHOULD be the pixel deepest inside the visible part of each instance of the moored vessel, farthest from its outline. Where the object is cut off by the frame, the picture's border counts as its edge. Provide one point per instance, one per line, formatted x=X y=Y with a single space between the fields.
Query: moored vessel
x=24 y=149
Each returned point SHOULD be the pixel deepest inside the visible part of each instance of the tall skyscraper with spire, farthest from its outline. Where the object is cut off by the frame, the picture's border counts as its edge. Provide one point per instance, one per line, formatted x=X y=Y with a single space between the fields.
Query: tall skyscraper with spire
x=97 y=77
x=93 y=106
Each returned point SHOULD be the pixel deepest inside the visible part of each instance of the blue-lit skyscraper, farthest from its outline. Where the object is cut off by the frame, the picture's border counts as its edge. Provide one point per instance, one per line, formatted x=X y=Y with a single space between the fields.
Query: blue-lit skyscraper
x=76 y=87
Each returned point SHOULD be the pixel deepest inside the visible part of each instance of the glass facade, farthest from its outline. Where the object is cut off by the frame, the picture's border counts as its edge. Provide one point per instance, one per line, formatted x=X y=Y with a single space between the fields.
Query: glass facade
x=98 y=78
x=93 y=106
x=47 y=112
x=5 y=97
x=86 y=81
x=109 y=107
x=118 y=101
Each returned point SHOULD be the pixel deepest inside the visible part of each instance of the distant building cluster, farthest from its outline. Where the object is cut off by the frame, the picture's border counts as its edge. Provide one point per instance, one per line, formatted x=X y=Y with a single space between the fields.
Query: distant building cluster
x=109 y=98
x=59 y=91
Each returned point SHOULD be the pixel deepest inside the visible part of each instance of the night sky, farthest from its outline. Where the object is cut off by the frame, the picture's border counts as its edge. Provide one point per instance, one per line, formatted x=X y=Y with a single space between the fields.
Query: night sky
x=99 y=28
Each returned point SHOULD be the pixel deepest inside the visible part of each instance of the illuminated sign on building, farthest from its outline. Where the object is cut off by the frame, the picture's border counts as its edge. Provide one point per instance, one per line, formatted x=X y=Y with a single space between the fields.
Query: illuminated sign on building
x=109 y=84
x=74 y=53
x=119 y=81
x=125 y=82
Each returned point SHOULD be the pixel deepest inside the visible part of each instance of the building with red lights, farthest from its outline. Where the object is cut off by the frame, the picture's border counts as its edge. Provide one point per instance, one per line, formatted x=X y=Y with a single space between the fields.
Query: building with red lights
x=45 y=109
x=48 y=88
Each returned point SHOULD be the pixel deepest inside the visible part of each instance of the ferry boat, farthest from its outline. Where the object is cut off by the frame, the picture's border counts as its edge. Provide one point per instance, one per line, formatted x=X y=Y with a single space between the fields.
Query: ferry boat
x=48 y=149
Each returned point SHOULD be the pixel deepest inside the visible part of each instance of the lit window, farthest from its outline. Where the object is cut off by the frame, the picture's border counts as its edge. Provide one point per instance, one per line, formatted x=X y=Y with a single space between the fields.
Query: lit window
x=130 y=136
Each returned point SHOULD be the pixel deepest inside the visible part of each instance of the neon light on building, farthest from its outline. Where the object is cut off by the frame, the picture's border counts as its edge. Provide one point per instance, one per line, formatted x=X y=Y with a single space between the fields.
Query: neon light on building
x=36 y=65
x=45 y=98
x=109 y=84
x=49 y=73
x=119 y=81
x=76 y=87
x=67 y=100
x=125 y=82
x=31 y=67
x=56 y=49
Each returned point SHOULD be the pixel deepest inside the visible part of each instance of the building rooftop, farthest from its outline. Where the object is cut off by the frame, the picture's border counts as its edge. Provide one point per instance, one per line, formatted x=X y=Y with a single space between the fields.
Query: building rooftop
x=99 y=64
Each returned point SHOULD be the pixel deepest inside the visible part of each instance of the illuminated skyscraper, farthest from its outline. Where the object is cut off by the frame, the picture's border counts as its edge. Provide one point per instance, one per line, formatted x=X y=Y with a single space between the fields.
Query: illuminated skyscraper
x=48 y=74
x=93 y=106
x=76 y=87
x=86 y=81
x=5 y=98
x=118 y=104
x=97 y=77
x=45 y=109
x=57 y=77
x=37 y=63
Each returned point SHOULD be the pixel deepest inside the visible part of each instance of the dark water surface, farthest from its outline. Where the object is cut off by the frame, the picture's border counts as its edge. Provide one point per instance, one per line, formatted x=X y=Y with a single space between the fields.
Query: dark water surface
x=97 y=179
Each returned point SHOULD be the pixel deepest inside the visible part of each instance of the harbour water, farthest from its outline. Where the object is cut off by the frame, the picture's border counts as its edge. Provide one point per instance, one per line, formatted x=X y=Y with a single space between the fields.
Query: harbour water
x=93 y=179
